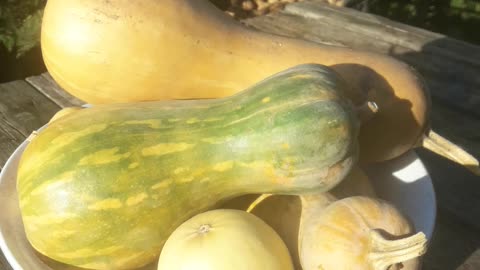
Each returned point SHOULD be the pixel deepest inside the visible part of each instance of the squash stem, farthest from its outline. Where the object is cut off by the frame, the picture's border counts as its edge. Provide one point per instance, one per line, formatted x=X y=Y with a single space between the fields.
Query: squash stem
x=205 y=228
x=443 y=147
x=385 y=253
x=366 y=111
x=258 y=200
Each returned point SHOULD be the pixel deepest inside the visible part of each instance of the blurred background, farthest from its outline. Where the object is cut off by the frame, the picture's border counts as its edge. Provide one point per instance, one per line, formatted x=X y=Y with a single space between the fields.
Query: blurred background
x=20 y=22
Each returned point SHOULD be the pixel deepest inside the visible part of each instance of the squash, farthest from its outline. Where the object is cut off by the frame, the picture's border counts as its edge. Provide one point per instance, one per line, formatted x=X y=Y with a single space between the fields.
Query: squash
x=224 y=239
x=283 y=212
x=224 y=56
x=325 y=233
x=80 y=48
x=356 y=183
x=357 y=233
x=103 y=187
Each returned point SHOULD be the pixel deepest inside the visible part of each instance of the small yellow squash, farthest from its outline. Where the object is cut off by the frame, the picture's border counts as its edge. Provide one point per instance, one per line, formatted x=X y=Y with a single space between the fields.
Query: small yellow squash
x=224 y=239
x=358 y=233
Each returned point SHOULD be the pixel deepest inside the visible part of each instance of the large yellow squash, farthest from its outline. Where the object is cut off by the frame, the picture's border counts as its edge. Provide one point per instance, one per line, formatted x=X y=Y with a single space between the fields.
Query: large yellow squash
x=122 y=50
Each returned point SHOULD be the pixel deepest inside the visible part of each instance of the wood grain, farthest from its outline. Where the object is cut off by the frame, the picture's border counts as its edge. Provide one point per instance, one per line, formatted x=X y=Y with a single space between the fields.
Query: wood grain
x=456 y=241
x=455 y=245
x=4 y=263
x=22 y=110
x=45 y=84
x=459 y=127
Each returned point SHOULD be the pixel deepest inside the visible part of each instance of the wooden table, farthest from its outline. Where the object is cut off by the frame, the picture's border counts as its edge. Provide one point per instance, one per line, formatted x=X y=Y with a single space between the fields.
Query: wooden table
x=450 y=67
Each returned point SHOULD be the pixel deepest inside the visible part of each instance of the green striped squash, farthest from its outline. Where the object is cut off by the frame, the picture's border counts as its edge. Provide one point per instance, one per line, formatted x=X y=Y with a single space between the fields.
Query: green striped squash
x=104 y=187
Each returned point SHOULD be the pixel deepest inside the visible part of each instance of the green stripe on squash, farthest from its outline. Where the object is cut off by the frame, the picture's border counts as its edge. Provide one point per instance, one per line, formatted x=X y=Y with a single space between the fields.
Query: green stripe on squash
x=105 y=186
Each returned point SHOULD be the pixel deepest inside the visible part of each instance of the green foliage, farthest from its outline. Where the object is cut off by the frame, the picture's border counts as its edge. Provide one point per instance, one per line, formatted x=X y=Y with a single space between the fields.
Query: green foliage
x=28 y=35
x=455 y=18
x=466 y=5
x=20 y=22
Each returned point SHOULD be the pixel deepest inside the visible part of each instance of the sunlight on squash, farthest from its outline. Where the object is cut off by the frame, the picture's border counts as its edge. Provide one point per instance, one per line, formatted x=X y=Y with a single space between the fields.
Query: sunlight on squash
x=224 y=239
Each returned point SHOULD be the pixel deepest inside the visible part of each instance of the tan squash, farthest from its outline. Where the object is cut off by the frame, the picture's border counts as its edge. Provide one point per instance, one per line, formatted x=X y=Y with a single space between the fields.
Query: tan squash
x=357 y=233
x=283 y=212
x=121 y=51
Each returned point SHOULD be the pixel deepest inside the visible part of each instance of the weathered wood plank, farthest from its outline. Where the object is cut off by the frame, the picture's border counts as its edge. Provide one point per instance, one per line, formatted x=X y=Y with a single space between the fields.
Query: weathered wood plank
x=454 y=246
x=45 y=84
x=457 y=190
x=450 y=66
x=472 y=262
x=456 y=242
x=461 y=128
x=4 y=265
x=22 y=110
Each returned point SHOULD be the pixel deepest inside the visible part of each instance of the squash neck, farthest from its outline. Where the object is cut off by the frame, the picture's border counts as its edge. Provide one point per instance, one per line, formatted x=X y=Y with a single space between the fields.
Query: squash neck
x=386 y=253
